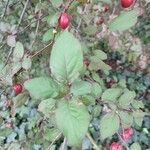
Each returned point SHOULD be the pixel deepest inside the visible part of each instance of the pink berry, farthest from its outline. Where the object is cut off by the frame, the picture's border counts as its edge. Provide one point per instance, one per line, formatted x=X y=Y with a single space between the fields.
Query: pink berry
x=115 y=146
x=127 y=3
x=127 y=133
x=17 y=88
x=64 y=20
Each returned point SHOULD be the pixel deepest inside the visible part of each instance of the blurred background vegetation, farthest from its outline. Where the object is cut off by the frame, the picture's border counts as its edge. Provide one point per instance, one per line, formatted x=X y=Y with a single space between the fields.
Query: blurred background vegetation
x=128 y=55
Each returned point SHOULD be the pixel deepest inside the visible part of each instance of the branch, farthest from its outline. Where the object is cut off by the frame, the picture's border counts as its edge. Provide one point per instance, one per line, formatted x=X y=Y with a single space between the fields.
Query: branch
x=64 y=144
x=22 y=14
x=69 y=4
x=36 y=30
x=32 y=23
x=123 y=142
x=56 y=138
x=95 y=146
x=39 y=52
x=21 y=17
x=5 y=8
x=11 y=51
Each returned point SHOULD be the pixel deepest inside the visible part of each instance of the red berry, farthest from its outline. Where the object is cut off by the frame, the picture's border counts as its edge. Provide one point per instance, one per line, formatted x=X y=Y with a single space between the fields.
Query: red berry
x=127 y=133
x=127 y=3
x=86 y=62
x=115 y=146
x=64 y=20
x=17 y=88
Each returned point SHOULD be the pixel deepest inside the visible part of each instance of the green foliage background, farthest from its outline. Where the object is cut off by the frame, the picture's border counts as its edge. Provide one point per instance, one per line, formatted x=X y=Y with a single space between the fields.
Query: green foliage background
x=116 y=59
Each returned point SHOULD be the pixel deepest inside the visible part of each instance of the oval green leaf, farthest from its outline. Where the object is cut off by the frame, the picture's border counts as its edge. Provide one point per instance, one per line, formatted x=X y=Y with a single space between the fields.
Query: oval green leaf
x=42 y=87
x=124 y=21
x=73 y=120
x=66 y=57
x=109 y=125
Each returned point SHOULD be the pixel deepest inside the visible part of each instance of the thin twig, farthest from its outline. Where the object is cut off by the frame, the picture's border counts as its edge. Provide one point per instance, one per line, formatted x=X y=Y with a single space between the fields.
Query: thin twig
x=26 y=10
x=39 y=52
x=69 y=4
x=5 y=8
x=32 y=23
x=2 y=46
x=10 y=52
x=21 y=17
x=2 y=92
x=123 y=142
x=56 y=138
x=22 y=14
x=36 y=32
x=64 y=144
x=95 y=146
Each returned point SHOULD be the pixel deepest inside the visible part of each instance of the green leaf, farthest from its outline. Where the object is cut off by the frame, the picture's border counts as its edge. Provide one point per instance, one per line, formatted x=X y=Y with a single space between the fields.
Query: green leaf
x=51 y=134
x=88 y=100
x=47 y=106
x=27 y=62
x=18 y=52
x=111 y=94
x=5 y=132
x=42 y=87
x=109 y=125
x=90 y=30
x=66 y=58
x=126 y=119
x=137 y=104
x=20 y=99
x=52 y=19
x=98 y=64
x=97 y=78
x=48 y=35
x=96 y=111
x=96 y=90
x=80 y=88
x=73 y=120
x=124 y=21
x=16 y=66
x=126 y=98
x=138 y=117
x=135 y=146
x=56 y=3
x=100 y=54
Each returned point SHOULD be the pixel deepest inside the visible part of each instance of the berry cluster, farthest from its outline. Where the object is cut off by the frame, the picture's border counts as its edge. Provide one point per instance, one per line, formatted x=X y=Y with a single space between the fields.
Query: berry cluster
x=126 y=135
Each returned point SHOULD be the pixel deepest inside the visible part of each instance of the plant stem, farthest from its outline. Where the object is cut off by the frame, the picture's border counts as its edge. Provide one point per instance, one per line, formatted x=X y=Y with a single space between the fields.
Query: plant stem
x=22 y=14
x=6 y=8
x=95 y=146
x=39 y=52
x=123 y=142
x=64 y=145
x=56 y=138
x=37 y=27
